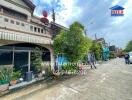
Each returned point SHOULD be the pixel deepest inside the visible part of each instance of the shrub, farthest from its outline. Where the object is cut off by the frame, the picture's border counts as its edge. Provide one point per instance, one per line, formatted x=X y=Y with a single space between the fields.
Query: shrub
x=15 y=75
x=5 y=74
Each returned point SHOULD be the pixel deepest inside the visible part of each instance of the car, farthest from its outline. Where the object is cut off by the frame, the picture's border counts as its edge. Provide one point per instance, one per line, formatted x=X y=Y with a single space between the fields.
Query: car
x=130 y=58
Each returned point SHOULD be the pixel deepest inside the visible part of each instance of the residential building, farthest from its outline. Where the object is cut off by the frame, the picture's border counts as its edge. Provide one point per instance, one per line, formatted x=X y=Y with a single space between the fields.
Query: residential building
x=56 y=28
x=21 y=32
x=101 y=41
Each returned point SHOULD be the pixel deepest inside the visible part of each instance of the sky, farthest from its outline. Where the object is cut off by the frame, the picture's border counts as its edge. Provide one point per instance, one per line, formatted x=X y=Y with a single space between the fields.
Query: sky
x=95 y=15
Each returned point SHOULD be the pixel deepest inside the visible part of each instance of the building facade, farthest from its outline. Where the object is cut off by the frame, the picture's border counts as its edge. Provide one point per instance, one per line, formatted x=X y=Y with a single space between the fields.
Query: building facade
x=56 y=28
x=21 y=32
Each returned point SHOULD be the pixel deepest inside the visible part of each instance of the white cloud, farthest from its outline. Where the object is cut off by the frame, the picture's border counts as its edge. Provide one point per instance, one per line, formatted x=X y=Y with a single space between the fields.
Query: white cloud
x=127 y=14
x=69 y=11
x=115 y=2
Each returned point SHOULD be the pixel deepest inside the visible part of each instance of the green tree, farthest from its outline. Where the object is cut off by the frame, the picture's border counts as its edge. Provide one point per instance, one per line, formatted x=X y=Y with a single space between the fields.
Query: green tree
x=36 y=59
x=72 y=43
x=129 y=46
x=97 y=49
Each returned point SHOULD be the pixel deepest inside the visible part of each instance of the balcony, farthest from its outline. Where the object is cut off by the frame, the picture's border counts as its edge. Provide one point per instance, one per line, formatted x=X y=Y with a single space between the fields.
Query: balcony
x=15 y=29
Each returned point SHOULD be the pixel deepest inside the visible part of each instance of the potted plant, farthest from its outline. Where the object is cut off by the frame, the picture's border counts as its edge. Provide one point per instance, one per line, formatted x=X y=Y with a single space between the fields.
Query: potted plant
x=15 y=75
x=36 y=59
x=5 y=75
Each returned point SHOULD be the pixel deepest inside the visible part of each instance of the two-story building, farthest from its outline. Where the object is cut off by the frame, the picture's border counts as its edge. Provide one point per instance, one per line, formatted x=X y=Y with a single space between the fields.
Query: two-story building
x=21 y=32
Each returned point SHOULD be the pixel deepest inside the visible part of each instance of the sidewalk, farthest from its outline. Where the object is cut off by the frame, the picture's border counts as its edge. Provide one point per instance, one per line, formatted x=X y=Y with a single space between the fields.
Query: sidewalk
x=33 y=86
x=29 y=89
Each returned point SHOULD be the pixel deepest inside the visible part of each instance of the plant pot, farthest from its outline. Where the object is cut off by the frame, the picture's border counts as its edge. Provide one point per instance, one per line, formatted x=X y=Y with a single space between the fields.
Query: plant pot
x=4 y=87
x=13 y=82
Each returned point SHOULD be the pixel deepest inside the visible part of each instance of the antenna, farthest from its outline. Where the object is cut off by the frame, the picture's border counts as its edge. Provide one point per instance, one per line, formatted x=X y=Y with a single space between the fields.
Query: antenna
x=53 y=11
x=95 y=36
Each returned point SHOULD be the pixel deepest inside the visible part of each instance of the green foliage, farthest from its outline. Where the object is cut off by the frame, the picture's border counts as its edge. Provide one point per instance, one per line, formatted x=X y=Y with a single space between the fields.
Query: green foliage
x=112 y=55
x=36 y=59
x=129 y=46
x=49 y=72
x=15 y=75
x=5 y=74
x=76 y=25
x=58 y=42
x=97 y=49
x=72 y=43
x=70 y=67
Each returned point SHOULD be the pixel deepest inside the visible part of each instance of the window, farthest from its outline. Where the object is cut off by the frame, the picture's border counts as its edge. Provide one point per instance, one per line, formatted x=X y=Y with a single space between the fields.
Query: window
x=6 y=20
x=42 y=31
x=17 y=23
x=45 y=31
x=12 y=21
x=39 y=30
x=31 y=28
x=22 y=24
x=14 y=14
x=5 y=57
x=35 y=29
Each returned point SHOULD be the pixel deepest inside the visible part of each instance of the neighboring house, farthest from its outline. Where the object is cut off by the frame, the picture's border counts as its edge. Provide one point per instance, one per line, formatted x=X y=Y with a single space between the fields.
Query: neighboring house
x=112 y=48
x=21 y=32
x=105 y=47
x=56 y=28
x=101 y=41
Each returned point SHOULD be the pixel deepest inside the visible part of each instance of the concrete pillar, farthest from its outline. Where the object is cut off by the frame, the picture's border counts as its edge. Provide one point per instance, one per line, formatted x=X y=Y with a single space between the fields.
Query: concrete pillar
x=28 y=18
x=29 y=60
x=13 y=56
x=52 y=59
x=1 y=10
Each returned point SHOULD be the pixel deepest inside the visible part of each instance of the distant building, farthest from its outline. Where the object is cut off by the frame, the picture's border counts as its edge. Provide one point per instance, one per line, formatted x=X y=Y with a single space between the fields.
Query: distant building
x=56 y=28
x=101 y=41
x=105 y=48
x=112 y=48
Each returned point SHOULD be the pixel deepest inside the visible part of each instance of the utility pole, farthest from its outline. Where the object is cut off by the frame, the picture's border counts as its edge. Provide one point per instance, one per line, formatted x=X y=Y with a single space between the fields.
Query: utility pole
x=53 y=15
x=53 y=25
x=95 y=36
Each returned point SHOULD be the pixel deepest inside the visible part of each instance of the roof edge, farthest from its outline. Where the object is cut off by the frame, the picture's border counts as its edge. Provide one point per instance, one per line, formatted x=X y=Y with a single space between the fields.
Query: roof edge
x=31 y=5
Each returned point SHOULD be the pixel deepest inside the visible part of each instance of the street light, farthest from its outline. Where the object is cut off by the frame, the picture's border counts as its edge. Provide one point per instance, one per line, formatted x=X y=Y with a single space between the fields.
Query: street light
x=110 y=42
x=86 y=29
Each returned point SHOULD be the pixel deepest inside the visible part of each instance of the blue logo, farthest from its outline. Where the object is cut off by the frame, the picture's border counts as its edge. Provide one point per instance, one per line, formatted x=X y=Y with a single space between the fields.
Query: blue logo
x=117 y=11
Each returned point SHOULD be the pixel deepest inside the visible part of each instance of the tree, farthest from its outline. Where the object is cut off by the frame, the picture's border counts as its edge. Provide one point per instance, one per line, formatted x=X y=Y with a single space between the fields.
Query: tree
x=129 y=46
x=97 y=49
x=72 y=43
x=36 y=58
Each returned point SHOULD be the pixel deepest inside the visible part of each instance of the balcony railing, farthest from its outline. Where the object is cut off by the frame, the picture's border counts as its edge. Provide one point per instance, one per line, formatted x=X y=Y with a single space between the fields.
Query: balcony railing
x=17 y=25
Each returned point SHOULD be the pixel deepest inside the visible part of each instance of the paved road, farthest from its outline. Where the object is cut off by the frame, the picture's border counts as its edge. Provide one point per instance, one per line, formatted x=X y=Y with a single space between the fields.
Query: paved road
x=110 y=81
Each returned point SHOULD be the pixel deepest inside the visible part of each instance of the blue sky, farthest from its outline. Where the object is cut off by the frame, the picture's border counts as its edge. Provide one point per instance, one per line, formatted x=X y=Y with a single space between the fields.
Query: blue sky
x=94 y=15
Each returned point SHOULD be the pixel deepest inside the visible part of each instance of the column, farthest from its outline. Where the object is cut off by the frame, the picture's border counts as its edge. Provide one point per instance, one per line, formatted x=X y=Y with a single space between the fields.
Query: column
x=1 y=9
x=52 y=59
x=13 y=56
x=29 y=60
